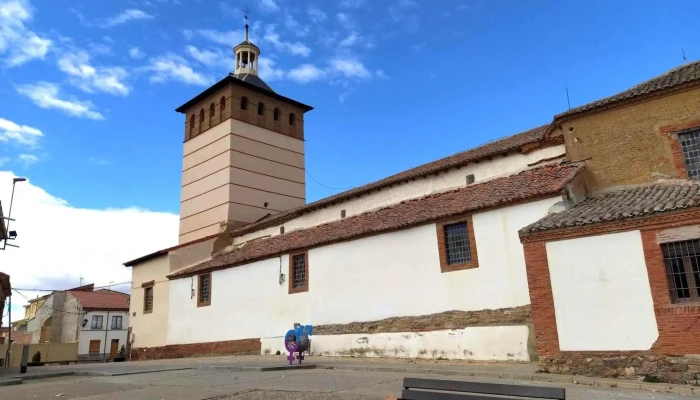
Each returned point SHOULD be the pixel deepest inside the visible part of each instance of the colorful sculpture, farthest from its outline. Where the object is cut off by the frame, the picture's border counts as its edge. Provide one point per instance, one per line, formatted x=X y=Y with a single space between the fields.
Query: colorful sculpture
x=297 y=341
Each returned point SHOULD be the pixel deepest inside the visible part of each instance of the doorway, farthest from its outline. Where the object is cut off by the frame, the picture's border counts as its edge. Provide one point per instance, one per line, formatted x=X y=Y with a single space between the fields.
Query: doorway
x=114 y=349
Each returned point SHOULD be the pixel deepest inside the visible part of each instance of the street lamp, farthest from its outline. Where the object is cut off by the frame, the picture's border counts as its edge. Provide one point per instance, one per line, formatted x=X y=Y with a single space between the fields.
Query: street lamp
x=9 y=212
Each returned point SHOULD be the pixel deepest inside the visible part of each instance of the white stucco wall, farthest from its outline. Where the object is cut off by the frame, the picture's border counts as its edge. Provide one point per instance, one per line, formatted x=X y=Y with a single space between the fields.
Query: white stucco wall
x=484 y=170
x=361 y=280
x=602 y=297
x=87 y=334
x=477 y=343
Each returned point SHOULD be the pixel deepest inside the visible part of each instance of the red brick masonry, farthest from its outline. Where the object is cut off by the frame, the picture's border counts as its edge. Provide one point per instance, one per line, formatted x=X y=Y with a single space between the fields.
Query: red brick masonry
x=671 y=358
x=229 y=347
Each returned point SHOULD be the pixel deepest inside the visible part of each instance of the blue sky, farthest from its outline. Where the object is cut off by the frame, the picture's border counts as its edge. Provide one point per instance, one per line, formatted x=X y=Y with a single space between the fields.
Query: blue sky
x=87 y=93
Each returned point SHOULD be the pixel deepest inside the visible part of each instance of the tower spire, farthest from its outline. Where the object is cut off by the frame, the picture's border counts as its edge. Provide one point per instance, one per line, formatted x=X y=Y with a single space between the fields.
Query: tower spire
x=246 y=12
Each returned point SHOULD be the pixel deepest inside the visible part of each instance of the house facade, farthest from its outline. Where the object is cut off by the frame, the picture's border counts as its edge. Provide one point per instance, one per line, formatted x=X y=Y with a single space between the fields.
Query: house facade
x=96 y=320
x=573 y=243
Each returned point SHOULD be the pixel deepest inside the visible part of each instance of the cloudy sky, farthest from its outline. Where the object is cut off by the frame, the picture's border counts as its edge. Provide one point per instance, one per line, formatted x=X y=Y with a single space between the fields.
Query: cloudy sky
x=88 y=91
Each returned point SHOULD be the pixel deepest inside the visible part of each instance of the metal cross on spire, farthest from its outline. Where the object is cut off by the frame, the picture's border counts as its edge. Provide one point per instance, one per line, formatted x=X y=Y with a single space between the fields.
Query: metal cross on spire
x=246 y=12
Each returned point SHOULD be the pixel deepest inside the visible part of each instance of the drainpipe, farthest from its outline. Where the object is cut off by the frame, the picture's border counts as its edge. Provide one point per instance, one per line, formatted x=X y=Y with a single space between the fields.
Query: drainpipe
x=105 y=345
x=9 y=338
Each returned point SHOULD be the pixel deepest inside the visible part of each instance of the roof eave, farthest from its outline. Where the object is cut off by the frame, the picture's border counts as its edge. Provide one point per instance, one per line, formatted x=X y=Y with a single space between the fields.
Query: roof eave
x=230 y=79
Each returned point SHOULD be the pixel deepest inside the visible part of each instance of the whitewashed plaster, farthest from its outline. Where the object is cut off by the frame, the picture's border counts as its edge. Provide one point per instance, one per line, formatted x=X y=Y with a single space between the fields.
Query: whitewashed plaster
x=602 y=297
x=106 y=332
x=474 y=343
x=361 y=280
x=484 y=170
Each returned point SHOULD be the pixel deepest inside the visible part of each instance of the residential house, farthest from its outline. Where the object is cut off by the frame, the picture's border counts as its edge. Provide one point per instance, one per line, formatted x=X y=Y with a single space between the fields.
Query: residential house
x=572 y=243
x=96 y=320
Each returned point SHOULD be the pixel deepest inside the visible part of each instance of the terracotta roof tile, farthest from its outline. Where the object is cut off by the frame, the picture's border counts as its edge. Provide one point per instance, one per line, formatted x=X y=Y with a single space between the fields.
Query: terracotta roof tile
x=102 y=300
x=498 y=192
x=623 y=204
x=681 y=75
x=501 y=146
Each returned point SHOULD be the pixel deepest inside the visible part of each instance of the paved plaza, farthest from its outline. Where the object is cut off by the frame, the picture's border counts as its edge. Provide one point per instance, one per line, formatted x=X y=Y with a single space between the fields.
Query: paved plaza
x=249 y=378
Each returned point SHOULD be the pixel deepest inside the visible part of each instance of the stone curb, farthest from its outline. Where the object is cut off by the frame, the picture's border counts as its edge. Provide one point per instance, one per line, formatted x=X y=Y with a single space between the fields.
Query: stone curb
x=572 y=379
x=10 y=382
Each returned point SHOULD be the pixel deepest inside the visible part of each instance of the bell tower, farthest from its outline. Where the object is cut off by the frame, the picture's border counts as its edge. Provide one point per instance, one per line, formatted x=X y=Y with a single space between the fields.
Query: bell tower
x=243 y=151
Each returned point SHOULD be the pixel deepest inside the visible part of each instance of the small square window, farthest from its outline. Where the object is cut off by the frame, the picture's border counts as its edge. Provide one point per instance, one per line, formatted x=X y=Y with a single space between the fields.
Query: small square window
x=117 y=322
x=457 y=245
x=96 y=322
x=298 y=273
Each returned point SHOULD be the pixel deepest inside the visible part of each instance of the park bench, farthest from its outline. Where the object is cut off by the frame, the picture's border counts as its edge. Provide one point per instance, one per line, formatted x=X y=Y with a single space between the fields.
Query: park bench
x=435 y=389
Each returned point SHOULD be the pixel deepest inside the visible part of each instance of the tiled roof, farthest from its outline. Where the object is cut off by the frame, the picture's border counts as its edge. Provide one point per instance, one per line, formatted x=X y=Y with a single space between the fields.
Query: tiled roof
x=529 y=184
x=623 y=204
x=501 y=146
x=684 y=74
x=102 y=300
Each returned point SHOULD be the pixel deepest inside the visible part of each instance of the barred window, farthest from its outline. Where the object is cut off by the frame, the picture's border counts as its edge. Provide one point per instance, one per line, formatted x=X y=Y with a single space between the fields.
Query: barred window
x=682 y=260
x=298 y=272
x=148 y=299
x=690 y=147
x=457 y=243
x=204 y=297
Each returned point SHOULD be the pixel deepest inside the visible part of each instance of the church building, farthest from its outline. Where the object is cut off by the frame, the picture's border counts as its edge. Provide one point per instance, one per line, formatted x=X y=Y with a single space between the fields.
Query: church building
x=569 y=243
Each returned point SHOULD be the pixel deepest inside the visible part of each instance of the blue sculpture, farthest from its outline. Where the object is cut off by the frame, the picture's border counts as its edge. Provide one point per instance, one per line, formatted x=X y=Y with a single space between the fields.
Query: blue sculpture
x=297 y=340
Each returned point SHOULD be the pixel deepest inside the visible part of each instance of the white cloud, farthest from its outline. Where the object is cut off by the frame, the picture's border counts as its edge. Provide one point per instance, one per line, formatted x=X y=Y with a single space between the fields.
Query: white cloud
x=28 y=159
x=46 y=95
x=352 y=3
x=136 y=53
x=350 y=40
x=268 y=71
x=345 y=20
x=293 y=25
x=18 y=44
x=90 y=78
x=316 y=14
x=4 y=160
x=99 y=161
x=306 y=73
x=174 y=68
x=126 y=16
x=226 y=38
x=268 y=5
x=296 y=48
x=20 y=134
x=407 y=3
x=381 y=74
x=44 y=262
x=206 y=57
x=350 y=68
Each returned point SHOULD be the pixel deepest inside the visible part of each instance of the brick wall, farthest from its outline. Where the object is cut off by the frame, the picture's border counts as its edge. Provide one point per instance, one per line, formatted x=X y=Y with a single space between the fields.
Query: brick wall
x=627 y=145
x=671 y=358
x=233 y=95
x=229 y=347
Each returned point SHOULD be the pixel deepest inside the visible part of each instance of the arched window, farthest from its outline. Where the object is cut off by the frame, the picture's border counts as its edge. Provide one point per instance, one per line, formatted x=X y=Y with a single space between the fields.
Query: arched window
x=261 y=108
x=192 y=117
x=201 y=119
x=244 y=103
x=292 y=119
x=222 y=107
x=211 y=113
x=277 y=114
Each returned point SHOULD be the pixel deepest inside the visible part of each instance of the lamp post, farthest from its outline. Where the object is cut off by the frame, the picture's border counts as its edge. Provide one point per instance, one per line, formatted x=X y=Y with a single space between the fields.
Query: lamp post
x=9 y=212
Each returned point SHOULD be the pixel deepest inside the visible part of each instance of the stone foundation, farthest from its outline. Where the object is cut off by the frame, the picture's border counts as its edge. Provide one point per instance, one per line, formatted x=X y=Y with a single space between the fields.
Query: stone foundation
x=225 y=348
x=639 y=366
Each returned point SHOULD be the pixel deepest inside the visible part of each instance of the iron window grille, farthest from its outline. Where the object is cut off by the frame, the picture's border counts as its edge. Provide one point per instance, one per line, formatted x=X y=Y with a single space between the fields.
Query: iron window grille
x=204 y=290
x=96 y=322
x=682 y=260
x=148 y=299
x=690 y=147
x=116 y=322
x=457 y=243
x=299 y=271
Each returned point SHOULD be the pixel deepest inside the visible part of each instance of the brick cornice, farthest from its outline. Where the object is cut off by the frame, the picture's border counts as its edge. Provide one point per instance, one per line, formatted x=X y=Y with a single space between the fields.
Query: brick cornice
x=668 y=219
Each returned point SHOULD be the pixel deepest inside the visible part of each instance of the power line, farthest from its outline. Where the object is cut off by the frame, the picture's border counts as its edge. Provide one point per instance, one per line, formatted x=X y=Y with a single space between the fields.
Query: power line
x=65 y=290
x=306 y=171
x=45 y=306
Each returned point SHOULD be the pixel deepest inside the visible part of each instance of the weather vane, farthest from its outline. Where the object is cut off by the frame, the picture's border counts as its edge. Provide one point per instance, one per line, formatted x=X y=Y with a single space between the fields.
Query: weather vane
x=246 y=12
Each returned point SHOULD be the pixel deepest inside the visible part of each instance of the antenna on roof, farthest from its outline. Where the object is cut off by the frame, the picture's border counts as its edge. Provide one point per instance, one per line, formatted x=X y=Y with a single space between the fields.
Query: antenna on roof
x=81 y=280
x=683 y=51
x=246 y=12
x=567 y=98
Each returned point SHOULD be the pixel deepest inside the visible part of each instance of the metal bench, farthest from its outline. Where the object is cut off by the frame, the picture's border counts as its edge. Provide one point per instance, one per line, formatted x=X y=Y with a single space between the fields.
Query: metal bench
x=435 y=389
